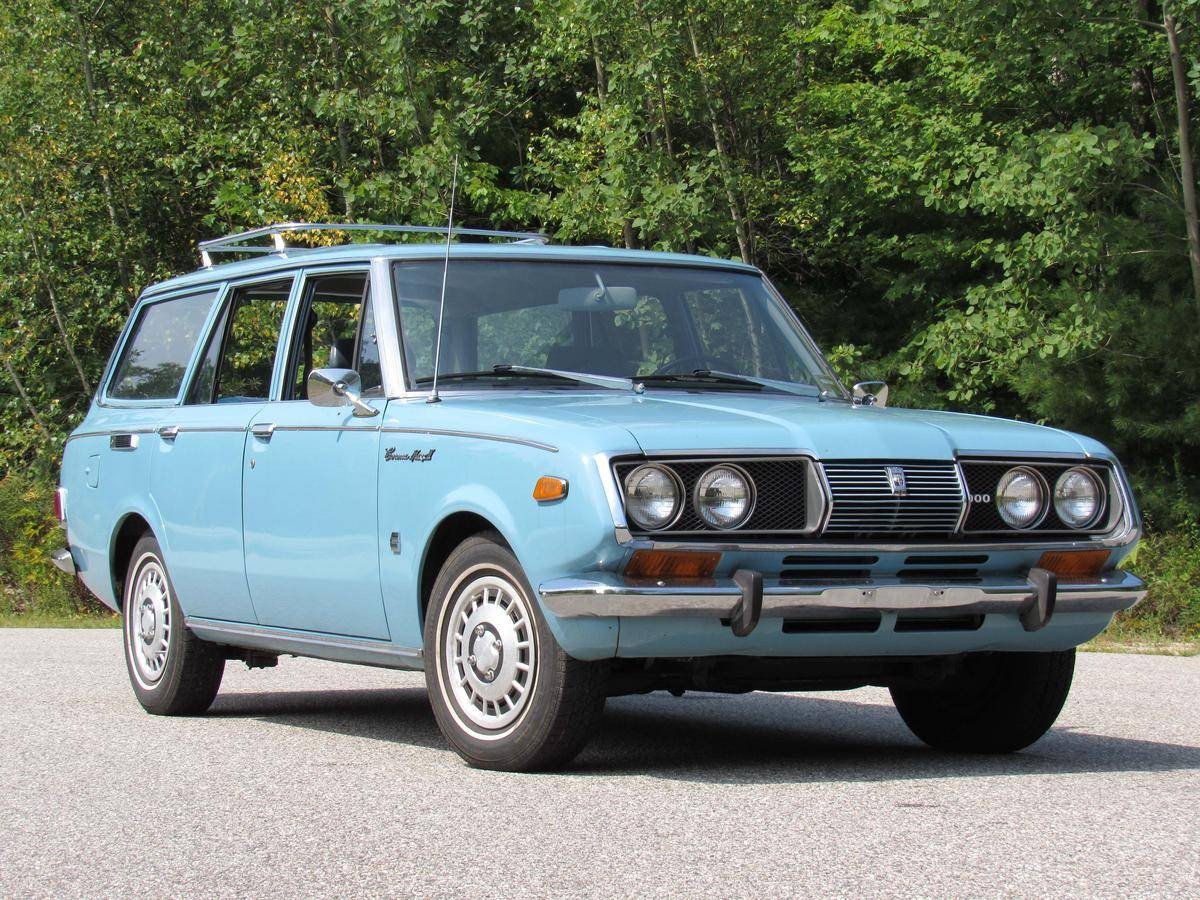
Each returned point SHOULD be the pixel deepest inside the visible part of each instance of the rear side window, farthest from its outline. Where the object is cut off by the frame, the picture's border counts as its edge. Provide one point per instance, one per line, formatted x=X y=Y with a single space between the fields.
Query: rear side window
x=240 y=356
x=157 y=354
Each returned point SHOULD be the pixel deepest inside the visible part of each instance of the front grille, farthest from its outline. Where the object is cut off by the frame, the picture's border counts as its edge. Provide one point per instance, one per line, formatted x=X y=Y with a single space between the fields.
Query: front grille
x=864 y=502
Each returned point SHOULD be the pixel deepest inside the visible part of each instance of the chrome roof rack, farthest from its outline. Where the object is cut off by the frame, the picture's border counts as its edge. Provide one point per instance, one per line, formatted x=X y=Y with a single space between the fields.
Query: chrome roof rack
x=239 y=243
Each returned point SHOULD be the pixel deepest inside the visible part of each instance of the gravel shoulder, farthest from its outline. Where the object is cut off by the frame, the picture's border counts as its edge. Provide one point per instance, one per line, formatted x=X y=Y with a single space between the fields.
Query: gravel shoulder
x=316 y=778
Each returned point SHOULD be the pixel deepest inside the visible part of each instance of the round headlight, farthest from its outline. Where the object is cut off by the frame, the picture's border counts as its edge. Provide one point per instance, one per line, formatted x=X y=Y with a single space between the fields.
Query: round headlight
x=1021 y=497
x=1078 y=497
x=724 y=497
x=652 y=497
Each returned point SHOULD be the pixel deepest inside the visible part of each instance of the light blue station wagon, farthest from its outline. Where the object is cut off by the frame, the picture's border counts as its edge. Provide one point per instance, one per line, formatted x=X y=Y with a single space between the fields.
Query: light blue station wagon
x=633 y=472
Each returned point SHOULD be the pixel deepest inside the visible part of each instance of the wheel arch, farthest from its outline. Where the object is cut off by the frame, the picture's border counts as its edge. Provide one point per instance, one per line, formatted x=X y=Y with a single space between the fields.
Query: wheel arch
x=129 y=531
x=449 y=533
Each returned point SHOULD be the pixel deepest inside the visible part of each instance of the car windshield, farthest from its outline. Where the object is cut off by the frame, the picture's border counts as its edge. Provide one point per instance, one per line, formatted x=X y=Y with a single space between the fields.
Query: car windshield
x=666 y=326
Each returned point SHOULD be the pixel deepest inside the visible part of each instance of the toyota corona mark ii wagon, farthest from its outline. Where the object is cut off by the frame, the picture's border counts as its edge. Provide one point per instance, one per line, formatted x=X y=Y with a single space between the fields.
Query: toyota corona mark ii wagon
x=635 y=472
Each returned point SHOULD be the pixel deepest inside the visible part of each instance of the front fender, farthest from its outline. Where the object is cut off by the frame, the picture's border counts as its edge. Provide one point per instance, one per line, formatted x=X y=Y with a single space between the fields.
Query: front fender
x=494 y=480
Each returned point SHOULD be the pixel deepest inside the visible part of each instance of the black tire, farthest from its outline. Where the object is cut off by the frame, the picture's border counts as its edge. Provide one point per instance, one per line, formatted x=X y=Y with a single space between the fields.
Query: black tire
x=998 y=703
x=187 y=672
x=561 y=703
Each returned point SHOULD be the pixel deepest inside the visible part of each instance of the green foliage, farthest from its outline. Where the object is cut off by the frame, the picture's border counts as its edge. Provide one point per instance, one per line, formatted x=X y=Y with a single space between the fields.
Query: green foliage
x=1170 y=563
x=28 y=535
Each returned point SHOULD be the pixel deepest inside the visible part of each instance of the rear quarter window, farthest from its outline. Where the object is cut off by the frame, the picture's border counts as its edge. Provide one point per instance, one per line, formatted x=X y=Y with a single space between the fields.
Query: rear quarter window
x=156 y=355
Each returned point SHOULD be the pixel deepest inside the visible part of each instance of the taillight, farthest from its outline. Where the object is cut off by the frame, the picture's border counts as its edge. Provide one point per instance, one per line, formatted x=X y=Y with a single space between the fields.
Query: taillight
x=60 y=505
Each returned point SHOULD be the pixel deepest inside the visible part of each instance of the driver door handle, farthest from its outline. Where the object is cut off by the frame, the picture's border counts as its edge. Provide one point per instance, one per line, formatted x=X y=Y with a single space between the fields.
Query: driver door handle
x=263 y=430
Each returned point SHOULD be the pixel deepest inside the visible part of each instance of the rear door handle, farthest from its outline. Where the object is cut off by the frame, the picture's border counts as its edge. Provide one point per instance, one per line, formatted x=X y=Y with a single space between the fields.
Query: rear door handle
x=263 y=430
x=168 y=432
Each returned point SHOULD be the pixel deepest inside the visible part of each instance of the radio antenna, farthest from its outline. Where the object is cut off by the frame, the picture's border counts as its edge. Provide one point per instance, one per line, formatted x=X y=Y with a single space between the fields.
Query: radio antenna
x=437 y=347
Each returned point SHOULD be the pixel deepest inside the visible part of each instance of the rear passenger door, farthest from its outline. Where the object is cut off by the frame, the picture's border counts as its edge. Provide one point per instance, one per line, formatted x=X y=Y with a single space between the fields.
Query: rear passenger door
x=196 y=475
x=310 y=495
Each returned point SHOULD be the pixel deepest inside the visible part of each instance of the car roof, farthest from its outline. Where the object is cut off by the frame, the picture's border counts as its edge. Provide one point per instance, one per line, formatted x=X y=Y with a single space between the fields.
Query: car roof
x=363 y=252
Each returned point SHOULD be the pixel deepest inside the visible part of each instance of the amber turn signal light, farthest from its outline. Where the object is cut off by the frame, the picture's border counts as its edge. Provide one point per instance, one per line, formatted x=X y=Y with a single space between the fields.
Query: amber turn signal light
x=672 y=564
x=549 y=488
x=1074 y=565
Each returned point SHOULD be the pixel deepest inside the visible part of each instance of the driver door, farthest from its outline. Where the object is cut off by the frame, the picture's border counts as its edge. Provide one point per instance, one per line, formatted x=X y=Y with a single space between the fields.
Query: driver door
x=310 y=483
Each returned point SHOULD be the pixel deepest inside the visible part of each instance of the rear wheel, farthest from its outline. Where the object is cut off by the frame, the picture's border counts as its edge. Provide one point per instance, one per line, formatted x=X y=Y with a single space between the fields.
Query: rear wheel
x=172 y=671
x=998 y=703
x=505 y=694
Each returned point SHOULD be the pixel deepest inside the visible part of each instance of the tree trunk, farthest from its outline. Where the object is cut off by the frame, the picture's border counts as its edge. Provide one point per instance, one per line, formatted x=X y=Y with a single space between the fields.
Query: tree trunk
x=343 y=133
x=89 y=85
x=628 y=235
x=1187 y=173
x=12 y=374
x=50 y=292
x=735 y=211
x=601 y=87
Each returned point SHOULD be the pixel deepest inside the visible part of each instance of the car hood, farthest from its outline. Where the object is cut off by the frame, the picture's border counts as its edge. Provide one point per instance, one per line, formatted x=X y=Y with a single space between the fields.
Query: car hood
x=667 y=421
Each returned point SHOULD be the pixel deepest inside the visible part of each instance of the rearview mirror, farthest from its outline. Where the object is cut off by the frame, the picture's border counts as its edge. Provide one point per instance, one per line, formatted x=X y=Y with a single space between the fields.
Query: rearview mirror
x=597 y=299
x=338 y=387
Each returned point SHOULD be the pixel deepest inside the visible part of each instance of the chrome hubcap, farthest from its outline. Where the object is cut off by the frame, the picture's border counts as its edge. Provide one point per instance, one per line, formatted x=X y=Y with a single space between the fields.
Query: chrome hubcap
x=150 y=621
x=491 y=651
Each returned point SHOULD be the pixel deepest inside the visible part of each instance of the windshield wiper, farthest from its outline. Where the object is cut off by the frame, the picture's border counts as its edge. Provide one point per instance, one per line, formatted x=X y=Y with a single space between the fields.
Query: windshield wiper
x=610 y=382
x=712 y=376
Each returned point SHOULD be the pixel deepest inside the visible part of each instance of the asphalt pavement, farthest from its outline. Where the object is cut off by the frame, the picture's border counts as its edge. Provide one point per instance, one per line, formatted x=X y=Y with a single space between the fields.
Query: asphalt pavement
x=316 y=778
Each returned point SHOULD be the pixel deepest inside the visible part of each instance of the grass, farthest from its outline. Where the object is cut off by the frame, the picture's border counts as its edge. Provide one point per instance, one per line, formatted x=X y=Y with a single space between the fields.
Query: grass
x=50 y=620
x=1156 y=646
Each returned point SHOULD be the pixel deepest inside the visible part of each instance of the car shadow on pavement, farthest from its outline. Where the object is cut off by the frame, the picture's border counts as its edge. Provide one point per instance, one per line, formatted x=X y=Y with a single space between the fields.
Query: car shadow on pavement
x=754 y=738
x=400 y=715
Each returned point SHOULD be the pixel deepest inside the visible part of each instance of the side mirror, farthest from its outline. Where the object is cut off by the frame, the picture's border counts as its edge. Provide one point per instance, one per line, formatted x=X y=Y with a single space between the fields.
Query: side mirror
x=338 y=387
x=870 y=393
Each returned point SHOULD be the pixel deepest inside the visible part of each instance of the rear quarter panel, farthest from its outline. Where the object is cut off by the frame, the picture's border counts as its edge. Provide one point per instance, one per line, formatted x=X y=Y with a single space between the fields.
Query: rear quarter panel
x=104 y=486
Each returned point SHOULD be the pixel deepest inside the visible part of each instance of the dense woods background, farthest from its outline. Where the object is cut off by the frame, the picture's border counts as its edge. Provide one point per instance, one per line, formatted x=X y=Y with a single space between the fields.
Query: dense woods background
x=983 y=202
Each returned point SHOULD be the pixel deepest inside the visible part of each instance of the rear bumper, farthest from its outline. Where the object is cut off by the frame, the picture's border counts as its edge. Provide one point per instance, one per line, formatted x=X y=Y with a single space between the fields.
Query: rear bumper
x=613 y=595
x=65 y=561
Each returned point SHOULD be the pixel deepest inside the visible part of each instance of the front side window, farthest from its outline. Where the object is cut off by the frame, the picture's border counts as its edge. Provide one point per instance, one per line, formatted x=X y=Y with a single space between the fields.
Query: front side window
x=666 y=325
x=335 y=330
x=240 y=355
x=161 y=344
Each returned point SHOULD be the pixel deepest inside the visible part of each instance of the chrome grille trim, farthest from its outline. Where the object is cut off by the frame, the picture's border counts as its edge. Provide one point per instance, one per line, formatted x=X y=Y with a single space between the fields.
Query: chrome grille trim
x=862 y=501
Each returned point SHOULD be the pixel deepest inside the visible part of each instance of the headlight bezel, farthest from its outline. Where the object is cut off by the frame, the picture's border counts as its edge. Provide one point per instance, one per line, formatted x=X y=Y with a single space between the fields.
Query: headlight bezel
x=1101 y=498
x=751 y=496
x=1044 y=499
x=680 y=496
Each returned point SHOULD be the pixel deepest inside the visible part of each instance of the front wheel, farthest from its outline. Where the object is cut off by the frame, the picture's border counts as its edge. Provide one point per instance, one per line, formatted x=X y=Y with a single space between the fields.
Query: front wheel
x=997 y=703
x=505 y=694
x=172 y=671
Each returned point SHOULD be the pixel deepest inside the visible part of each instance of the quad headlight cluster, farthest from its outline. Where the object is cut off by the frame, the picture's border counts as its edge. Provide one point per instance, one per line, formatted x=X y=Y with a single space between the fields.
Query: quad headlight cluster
x=723 y=497
x=1023 y=497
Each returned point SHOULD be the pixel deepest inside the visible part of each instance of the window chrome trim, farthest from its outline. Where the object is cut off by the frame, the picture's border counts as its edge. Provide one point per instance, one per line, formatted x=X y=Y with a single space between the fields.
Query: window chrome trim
x=387 y=329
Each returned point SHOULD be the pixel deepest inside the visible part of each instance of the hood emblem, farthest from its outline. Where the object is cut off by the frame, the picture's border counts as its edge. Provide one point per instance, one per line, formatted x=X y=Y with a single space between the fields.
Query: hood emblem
x=896 y=480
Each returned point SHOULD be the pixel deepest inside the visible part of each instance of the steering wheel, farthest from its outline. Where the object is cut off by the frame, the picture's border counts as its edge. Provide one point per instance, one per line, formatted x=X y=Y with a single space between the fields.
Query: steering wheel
x=697 y=361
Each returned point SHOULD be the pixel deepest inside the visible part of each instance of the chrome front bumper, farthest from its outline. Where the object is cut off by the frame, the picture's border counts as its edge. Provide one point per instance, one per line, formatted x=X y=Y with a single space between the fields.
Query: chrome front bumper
x=612 y=595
